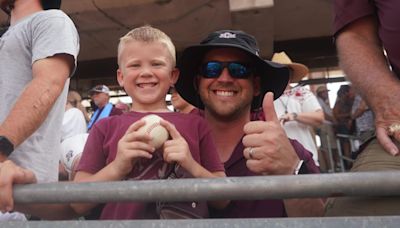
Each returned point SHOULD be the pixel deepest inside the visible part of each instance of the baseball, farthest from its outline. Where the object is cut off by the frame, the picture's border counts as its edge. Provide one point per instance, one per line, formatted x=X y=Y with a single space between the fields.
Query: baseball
x=158 y=133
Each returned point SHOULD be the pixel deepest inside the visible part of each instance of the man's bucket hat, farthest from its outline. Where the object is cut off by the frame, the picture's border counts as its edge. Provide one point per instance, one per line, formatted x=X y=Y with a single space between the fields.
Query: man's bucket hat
x=273 y=76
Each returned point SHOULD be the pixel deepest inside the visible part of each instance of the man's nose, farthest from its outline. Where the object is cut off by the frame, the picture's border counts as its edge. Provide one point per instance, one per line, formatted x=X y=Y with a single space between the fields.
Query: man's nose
x=225 y=75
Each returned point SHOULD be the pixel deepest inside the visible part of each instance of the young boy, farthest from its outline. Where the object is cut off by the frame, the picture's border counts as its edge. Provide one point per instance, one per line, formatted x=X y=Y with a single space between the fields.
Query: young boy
x=115 y=150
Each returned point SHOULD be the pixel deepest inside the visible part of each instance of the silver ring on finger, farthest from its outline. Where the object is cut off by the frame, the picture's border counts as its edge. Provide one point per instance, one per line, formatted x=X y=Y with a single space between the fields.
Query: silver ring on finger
x=251 y=151
x=393 y=129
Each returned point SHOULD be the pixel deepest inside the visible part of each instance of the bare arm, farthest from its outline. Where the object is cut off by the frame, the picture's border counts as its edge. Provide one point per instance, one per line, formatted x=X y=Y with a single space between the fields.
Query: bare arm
x=36 y=101
x=361 y=57
x=313 y=119
x=329 y=117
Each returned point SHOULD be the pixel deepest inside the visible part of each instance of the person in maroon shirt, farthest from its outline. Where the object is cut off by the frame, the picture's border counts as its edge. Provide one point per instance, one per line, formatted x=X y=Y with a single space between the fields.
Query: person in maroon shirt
x=225 y=76
x=362 y=30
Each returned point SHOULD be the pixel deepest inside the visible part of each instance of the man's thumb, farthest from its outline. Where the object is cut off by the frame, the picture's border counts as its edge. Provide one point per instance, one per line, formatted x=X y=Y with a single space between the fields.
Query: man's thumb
x=268 y=107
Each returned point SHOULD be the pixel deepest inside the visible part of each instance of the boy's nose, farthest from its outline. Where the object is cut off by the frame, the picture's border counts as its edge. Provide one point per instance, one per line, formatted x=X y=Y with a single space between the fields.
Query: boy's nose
x=146 y=71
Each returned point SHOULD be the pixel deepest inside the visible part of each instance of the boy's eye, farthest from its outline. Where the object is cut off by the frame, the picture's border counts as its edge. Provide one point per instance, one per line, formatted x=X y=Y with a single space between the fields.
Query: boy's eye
x=157 y=64
x=134 y=65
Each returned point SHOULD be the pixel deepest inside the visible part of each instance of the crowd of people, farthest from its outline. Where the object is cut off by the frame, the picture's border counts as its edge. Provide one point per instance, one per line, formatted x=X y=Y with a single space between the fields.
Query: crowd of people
x=236 y=114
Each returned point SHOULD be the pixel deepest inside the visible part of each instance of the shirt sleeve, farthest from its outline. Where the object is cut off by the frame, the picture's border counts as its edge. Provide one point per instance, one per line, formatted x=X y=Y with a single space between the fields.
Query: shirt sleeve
x=348 y=11
x=55 y=34
x=310 y=103
x=305 y=155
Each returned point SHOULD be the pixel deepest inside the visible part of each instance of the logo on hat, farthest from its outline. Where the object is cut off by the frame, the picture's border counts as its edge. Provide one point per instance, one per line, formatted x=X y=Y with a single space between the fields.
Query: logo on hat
x=69 y=155
x=227 y=35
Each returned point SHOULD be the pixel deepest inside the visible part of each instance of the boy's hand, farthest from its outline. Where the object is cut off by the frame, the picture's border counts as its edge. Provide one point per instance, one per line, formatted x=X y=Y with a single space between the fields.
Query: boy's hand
x=131 y=146
x=11 y=174
x=176 y=149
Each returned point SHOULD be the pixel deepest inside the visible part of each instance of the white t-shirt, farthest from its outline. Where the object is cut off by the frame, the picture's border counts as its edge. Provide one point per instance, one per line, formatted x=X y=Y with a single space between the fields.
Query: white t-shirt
x=74 y=123
x=298 y=100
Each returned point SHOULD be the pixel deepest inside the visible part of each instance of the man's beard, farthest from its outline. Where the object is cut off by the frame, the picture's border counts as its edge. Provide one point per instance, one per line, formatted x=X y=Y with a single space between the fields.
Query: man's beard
x=227 y=115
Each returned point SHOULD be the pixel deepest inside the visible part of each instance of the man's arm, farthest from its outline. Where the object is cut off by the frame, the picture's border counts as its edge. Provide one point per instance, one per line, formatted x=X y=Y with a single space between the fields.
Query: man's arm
x=329 y=117
x=36 y=101
x=361 y=57
x=313 y=119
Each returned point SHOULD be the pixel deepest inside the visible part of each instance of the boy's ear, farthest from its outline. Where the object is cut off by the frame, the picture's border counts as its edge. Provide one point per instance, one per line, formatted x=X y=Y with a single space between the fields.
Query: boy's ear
x=120 y=78
x=174 y=75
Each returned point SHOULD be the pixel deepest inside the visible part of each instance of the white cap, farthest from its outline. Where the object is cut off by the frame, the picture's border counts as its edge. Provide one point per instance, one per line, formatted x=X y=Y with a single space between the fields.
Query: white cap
x=100 y=89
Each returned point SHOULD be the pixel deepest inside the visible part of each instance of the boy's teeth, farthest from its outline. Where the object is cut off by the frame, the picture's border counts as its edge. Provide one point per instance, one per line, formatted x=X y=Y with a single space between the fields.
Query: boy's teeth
x=145 y=85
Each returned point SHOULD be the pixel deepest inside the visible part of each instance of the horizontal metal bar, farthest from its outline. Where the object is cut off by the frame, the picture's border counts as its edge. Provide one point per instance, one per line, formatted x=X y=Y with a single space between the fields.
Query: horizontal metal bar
x=385 y=183
x=360 y=222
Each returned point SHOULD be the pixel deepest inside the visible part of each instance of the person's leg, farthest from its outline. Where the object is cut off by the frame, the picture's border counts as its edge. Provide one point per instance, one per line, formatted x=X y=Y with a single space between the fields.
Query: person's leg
x=373 y=158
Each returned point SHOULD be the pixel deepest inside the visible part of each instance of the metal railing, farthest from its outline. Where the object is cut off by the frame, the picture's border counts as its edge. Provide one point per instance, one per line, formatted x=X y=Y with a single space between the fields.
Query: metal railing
x=383 y=183
x=345 y=222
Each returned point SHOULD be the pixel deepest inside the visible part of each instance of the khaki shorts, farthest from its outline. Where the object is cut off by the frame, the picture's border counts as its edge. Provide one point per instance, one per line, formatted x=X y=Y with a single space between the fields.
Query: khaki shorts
x=373 y=158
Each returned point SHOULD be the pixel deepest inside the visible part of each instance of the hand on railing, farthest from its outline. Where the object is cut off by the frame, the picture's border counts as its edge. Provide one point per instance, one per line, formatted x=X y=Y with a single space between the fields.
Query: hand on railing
x=11 y=174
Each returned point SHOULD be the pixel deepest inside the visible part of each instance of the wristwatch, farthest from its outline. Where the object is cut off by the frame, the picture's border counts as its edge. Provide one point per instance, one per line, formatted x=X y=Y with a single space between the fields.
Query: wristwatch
x=294 y=115
x=6 y=146
x=301 y=168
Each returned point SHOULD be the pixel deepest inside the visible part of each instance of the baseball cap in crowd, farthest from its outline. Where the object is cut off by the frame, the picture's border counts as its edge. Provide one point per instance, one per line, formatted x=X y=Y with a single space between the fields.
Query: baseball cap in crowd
x=321 y=89
x=273 y=76
x=298 y=70
x=99 y=89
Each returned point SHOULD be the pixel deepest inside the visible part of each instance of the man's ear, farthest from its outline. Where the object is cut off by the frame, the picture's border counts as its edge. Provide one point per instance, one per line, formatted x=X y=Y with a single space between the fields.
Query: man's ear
x=257 y=86
x=120 y=77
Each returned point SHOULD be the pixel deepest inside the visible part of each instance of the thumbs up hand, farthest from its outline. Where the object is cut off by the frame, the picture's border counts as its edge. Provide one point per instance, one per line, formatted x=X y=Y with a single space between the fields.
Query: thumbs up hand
x=267 y=149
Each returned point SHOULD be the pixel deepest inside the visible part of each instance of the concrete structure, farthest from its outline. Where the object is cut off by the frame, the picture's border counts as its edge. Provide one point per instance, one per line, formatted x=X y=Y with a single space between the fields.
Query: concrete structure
x=302 y=28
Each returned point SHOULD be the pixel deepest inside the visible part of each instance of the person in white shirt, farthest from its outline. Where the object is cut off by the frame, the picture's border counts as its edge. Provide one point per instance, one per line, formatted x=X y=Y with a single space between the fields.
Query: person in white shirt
x=298 y=108
x=74 y=121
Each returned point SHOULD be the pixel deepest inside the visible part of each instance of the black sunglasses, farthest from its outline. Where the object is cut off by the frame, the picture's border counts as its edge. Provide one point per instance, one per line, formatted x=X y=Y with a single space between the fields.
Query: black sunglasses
x=213 y=69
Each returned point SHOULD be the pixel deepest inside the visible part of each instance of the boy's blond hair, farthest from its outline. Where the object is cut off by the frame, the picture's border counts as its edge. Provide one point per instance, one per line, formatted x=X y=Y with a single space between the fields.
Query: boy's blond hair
x=147 y=34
